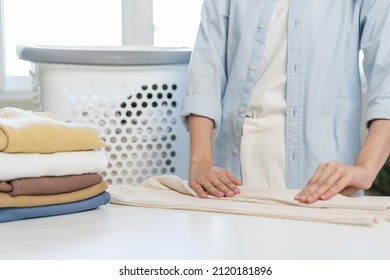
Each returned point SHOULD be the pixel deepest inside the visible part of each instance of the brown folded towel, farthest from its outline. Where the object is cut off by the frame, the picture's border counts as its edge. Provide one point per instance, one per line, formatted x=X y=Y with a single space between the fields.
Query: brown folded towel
x=50 y=184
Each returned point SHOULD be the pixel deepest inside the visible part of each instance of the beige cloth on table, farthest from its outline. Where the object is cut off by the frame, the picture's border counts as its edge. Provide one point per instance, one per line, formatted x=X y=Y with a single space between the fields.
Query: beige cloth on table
x=171 y=192
x=23 y=131
x=7 y=200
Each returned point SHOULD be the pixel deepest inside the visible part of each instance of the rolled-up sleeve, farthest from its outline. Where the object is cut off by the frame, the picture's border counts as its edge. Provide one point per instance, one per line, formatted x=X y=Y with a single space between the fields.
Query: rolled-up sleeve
x=207 y=77
x=375 y=43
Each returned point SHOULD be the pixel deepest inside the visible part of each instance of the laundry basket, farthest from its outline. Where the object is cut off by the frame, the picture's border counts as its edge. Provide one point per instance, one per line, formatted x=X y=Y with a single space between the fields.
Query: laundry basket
x=132 y=96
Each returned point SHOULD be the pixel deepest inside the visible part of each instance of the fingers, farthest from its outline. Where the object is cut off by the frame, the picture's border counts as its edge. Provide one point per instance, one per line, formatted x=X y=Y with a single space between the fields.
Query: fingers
x=234 y=182
x=332 y=178
x=216 y=182
x=324 y=183
x=216 y=188
x=336 y=188
x=329 y=179
x=348 y=191
x=199 y=190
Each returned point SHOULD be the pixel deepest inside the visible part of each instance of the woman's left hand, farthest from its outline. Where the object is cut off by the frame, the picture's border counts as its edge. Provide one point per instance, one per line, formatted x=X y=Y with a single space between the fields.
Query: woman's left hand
x=332 y=178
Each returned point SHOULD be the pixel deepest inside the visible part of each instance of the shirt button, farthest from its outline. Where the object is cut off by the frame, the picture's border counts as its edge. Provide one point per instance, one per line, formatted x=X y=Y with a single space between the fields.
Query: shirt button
x=251 y=67
x=261 y=25
x=242 y=110
x=235 y=151
x=294 y=156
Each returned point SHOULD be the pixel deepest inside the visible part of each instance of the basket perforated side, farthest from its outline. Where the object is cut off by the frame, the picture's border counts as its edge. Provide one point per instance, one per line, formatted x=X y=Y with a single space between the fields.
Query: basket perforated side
x=135 y=109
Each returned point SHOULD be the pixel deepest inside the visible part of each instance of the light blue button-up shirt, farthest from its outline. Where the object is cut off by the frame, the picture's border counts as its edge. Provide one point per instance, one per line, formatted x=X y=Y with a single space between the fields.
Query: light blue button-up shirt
x=324 y=99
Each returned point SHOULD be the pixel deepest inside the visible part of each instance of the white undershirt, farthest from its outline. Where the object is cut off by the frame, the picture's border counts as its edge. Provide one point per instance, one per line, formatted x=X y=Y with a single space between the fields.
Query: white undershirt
x=269 y=92
x=263 y=139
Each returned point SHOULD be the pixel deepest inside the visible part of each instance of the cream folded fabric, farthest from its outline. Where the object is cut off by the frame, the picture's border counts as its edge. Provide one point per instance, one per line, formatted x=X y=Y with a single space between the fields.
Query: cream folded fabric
x=173 y=193
x=24 y=131
x=15 y=166
x=7 y=200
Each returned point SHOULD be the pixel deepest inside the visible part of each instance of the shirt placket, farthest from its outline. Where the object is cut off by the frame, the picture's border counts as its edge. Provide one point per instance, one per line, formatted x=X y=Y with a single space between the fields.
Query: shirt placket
x=252 y=72
x=295 y=98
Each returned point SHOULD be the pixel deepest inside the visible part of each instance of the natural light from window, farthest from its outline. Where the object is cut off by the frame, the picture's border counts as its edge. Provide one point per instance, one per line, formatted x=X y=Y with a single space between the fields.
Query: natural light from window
x=89 y=23
x=59 y=23
x=176 y=22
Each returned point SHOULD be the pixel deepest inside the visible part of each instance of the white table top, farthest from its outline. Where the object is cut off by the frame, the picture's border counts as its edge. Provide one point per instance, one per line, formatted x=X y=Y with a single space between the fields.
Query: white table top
x=123 y=232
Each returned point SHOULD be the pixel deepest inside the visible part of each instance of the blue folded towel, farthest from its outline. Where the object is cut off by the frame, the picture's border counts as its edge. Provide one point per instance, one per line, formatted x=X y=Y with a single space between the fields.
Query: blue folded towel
x=14 y=214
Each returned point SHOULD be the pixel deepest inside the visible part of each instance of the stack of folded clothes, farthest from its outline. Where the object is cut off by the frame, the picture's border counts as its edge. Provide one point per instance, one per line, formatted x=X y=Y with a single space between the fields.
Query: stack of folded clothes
x=48 y=167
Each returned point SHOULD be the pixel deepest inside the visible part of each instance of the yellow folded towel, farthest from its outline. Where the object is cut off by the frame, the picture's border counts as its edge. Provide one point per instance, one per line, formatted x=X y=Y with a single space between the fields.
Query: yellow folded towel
x=23 y=131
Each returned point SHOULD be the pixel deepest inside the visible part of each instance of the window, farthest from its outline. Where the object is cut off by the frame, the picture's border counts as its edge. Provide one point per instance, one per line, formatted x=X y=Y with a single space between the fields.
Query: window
x=65 y=23
x=170 y=23
x=176 y=22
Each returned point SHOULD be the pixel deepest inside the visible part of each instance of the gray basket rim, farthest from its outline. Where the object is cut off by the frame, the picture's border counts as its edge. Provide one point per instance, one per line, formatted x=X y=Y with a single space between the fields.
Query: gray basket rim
x=110 y=56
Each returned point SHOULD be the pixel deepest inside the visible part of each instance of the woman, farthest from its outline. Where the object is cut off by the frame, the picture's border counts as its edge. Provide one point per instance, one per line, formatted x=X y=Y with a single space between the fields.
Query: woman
x=277 y=84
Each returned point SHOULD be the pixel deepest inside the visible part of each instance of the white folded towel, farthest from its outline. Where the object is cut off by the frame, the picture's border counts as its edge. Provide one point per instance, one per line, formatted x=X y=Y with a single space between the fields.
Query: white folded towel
x=14 y=166
x=173 y=193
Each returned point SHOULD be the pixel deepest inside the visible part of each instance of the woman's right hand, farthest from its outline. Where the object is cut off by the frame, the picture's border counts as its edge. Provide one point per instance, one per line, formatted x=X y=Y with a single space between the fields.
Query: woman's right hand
x=205 y=179
x=209 y=180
